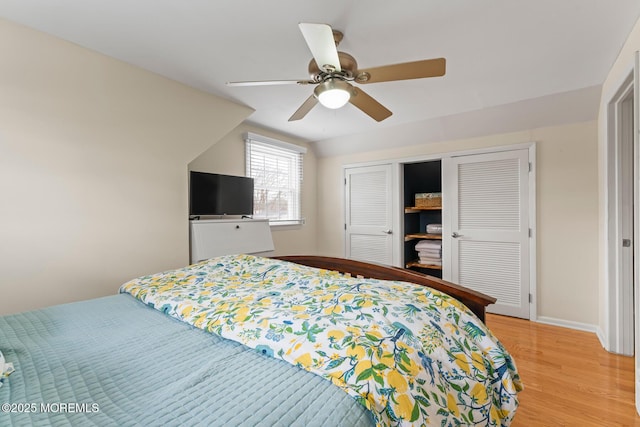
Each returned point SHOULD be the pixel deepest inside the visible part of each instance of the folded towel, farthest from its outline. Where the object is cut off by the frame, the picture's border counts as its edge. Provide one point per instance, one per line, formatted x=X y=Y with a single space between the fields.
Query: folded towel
x=428 y=244
x=431 y=261
x=434 y=228
x=428 y=255
x=430 y=252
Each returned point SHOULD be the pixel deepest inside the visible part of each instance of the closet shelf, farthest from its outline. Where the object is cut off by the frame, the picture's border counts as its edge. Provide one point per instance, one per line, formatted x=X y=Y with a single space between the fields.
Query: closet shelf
x=420 y=265
x=412 y=236
x=416 y=209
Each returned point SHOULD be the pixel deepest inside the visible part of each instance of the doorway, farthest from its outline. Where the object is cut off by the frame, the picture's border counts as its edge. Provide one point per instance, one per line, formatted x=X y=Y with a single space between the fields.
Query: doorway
x=622 y=218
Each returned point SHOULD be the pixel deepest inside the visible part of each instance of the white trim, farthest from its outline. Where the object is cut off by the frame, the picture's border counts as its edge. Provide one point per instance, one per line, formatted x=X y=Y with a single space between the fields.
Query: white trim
x=275 y=142
x=533 y=239
x=616 y=316
x=440 y=156
x=578 y=326
x=416 y=159
x=496 y=149
x=601 y=336
x=345 y=207
x=286 y=222
x=636 y=222
x=397 y=218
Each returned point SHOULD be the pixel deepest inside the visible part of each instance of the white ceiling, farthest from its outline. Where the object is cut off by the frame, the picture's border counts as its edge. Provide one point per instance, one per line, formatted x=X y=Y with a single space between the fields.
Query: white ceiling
x=499 y=52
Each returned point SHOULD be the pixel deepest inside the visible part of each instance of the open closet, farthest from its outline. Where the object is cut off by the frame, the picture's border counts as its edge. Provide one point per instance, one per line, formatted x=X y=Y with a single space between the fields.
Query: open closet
x=422 y=200
x=464 y=217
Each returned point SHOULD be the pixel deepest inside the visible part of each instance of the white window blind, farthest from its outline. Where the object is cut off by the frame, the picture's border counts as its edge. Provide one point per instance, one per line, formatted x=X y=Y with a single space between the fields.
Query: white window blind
x=276 y=168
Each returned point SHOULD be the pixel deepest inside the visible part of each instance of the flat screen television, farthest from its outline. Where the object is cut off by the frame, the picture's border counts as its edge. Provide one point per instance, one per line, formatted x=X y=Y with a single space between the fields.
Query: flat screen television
x=215 y=194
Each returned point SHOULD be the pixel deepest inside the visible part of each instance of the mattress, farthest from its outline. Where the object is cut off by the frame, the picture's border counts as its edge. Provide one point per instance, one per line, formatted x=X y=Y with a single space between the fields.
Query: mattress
x=115 y=362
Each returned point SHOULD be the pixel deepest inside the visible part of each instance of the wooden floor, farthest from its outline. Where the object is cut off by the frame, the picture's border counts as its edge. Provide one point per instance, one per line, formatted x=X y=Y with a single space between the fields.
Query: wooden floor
x=569 y=379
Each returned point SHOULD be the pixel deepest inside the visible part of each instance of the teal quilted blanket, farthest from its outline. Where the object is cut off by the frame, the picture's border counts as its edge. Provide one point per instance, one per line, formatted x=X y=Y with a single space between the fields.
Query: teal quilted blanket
x=115 y=362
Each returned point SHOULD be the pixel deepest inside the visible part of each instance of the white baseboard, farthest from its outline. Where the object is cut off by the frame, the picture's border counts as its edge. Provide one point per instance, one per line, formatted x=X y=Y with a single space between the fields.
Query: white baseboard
x=602 y=338
x=586 y=327
x=570 y=324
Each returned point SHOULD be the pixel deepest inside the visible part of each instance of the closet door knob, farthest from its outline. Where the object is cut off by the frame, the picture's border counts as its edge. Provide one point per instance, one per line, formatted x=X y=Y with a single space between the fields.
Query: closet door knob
x=387 y=231
x=455 y=235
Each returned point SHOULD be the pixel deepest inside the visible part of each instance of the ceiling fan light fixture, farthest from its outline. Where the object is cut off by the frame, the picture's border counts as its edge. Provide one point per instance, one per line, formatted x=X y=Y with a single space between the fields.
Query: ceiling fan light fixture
x=333 y=93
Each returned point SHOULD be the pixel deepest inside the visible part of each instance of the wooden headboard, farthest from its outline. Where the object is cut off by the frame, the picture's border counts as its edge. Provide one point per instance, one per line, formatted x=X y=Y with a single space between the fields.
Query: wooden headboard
x=476 y=301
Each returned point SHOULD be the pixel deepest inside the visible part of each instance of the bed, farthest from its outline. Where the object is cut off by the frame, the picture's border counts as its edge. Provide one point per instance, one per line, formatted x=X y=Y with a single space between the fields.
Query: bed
x=245 y=340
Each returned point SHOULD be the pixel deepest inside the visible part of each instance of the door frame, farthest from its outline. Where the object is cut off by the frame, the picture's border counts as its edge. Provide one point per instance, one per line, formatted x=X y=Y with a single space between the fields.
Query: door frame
x=636 y=216
x=619 y=305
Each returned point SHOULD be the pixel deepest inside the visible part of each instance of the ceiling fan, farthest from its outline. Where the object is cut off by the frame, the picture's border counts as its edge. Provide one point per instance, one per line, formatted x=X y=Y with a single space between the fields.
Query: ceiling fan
x=333 y=71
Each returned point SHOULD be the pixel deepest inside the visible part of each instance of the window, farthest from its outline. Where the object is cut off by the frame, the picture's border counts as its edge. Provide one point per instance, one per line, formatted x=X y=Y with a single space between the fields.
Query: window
x=276 y=167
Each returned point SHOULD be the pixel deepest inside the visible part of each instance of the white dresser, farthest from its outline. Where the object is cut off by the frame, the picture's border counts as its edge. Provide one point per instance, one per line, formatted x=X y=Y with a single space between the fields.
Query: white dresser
x=211 y=238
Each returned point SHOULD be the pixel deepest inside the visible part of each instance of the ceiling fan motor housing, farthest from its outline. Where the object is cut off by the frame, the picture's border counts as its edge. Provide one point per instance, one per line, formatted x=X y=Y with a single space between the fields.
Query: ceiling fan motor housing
x=347 y=63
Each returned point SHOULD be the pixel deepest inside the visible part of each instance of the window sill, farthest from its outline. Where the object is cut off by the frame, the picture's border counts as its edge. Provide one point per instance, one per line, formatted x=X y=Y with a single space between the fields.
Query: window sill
x=283 y=223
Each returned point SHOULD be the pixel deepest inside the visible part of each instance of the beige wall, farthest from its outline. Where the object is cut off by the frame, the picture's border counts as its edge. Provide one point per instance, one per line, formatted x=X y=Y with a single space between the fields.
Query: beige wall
x=228 y=157
x=567 y=210
x=93 y=169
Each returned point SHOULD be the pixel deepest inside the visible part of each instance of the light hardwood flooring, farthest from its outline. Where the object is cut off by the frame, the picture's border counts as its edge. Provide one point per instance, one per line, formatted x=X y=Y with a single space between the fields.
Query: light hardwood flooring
x=569 y=379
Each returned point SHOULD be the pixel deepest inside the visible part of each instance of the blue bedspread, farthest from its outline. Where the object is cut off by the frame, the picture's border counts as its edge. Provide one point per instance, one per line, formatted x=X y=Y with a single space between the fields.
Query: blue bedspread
x=117 y=362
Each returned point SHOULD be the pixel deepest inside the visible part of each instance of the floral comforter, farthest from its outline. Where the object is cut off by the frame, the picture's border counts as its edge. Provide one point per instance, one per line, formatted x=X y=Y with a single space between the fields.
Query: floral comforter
x=410 y=354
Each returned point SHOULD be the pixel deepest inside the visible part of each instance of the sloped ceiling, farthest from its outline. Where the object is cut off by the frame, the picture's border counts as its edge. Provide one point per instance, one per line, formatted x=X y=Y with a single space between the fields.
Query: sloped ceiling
x=500 y=53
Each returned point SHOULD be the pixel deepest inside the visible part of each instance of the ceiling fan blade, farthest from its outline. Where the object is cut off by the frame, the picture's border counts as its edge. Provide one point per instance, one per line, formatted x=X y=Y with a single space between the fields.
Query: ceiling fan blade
x=369 y=106
x=405 y=71
x=304 y=108
x=319 y=38
x=271 y=82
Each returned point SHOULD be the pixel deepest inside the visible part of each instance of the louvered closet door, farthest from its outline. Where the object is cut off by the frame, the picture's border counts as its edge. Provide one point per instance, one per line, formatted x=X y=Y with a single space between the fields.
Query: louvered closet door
x=487 y=238
x=369 y=214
